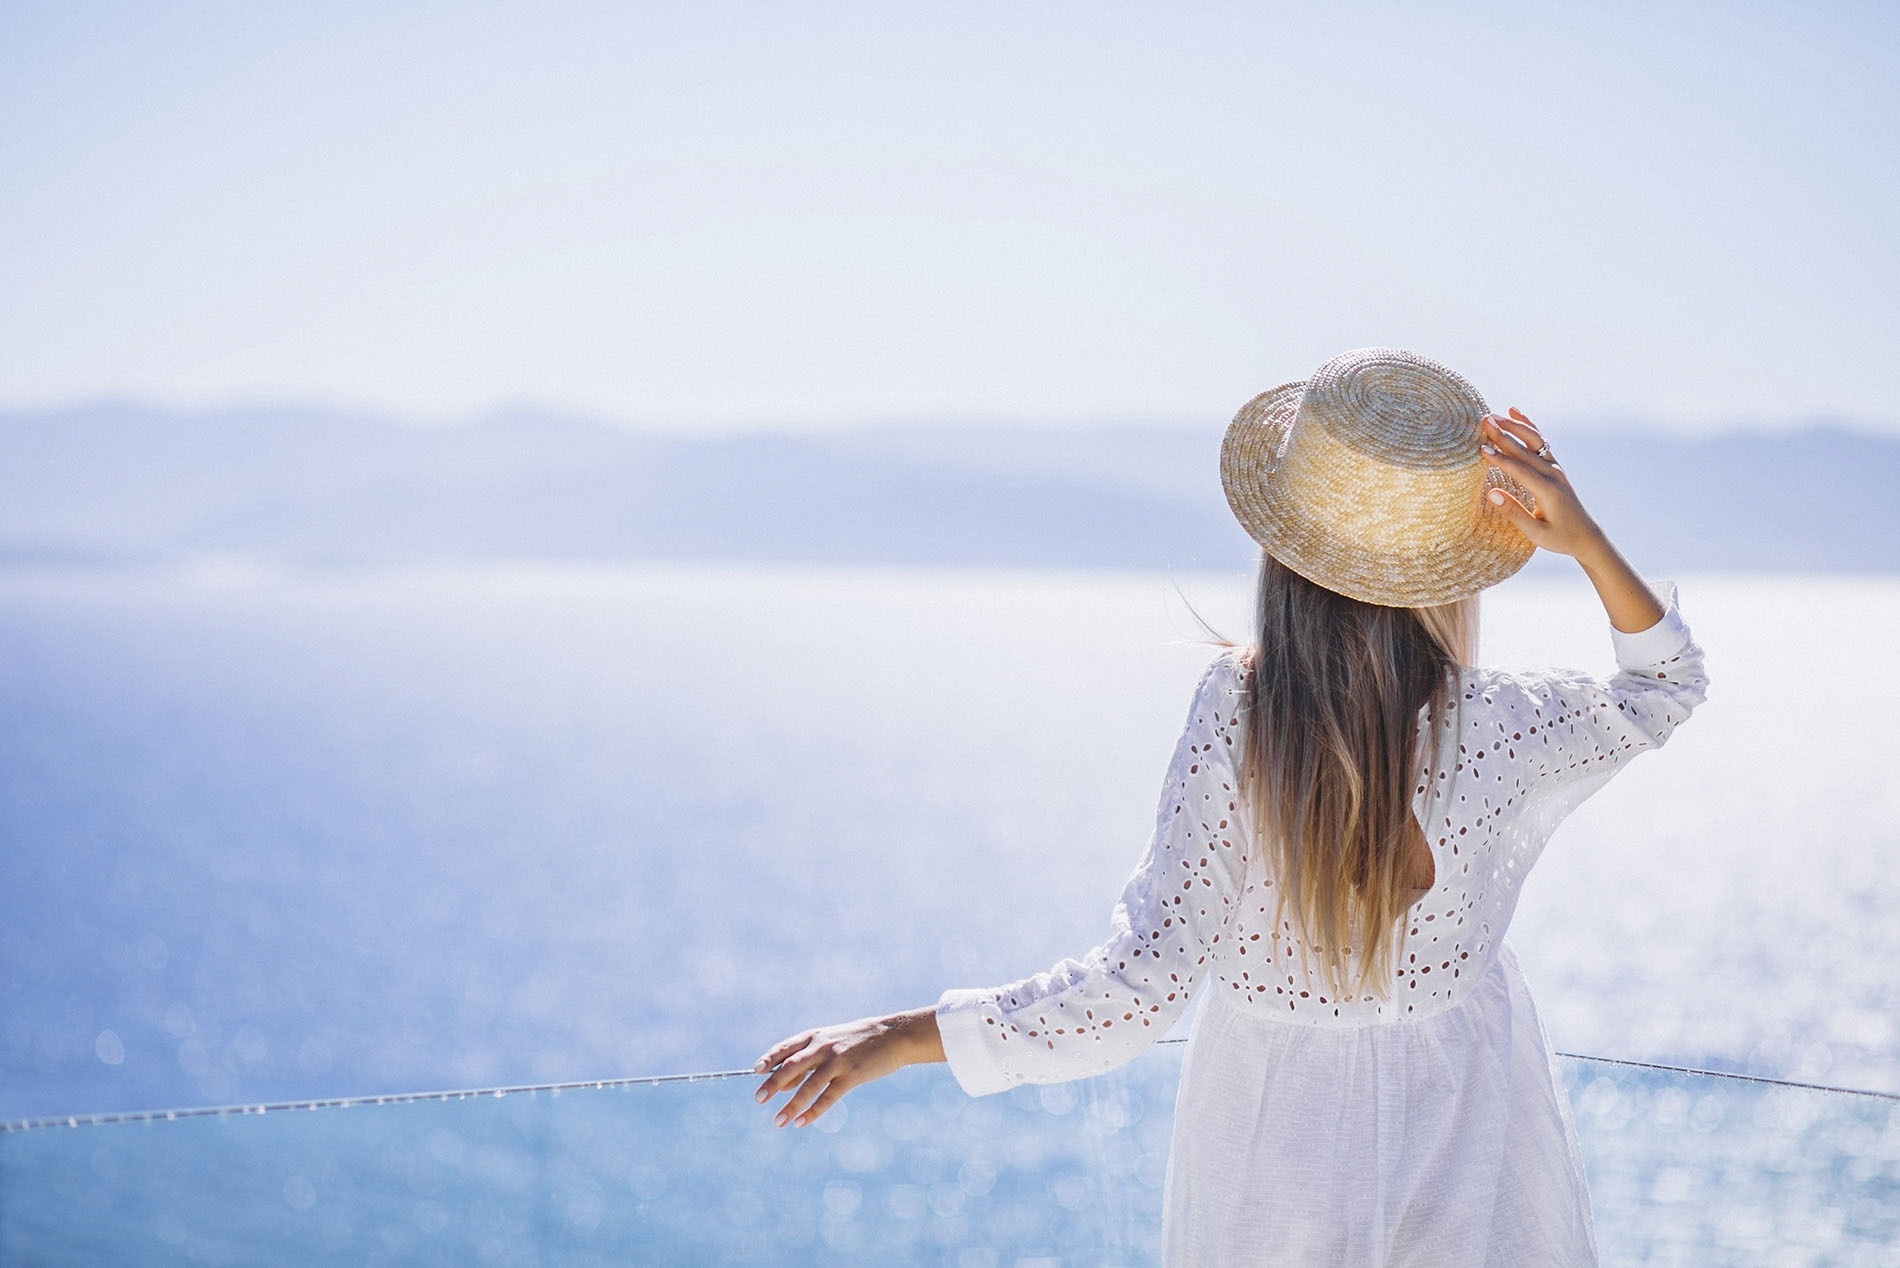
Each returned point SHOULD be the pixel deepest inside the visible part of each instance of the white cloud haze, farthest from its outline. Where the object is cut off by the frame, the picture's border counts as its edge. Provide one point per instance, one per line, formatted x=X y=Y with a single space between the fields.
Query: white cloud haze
x=719 y=215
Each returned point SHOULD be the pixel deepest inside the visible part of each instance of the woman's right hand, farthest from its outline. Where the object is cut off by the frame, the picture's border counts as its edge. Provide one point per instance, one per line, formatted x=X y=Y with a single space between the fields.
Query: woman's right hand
x=827 y=1062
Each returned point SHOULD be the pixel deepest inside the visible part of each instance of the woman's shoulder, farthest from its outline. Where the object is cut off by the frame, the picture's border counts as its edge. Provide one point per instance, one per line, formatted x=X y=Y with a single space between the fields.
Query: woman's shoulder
x=1491 y=690
x=1223 y=683
x=1475 y=680
x=1229 y=668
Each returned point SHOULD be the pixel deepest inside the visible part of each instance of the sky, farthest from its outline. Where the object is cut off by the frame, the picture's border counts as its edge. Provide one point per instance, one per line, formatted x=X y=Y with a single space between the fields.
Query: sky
x=707 y=216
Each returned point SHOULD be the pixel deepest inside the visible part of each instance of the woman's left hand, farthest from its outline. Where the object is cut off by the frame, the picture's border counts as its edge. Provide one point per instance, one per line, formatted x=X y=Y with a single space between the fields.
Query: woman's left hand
x=1559 y=523
x=827 y=1062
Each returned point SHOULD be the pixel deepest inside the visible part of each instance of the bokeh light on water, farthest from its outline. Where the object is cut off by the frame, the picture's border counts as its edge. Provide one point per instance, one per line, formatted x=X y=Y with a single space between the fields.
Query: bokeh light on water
x=1683 y=1169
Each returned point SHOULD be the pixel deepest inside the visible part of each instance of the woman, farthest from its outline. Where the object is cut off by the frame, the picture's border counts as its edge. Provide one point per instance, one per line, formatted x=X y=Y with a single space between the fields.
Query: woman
x=1345 y=828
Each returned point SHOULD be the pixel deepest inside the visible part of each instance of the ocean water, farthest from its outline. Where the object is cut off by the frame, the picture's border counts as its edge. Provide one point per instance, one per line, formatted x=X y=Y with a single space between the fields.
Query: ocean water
x=271 y=835
x=1689 y=1170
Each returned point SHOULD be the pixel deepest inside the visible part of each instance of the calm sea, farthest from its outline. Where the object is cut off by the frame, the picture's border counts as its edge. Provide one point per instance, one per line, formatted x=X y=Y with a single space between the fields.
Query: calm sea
x=268 y=835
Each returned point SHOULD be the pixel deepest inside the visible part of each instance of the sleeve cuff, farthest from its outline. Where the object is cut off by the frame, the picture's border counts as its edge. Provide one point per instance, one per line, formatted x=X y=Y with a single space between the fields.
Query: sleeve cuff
x=960 y=1025
x=1658 y=643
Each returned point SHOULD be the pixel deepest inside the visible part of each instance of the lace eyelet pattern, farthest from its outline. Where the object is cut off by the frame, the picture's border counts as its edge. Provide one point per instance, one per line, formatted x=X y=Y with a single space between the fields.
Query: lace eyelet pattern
x=1502 y=762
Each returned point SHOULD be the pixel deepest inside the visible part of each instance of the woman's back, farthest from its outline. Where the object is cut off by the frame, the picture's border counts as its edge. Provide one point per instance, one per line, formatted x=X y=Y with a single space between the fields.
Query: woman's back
x=1499 y=769
x=1507 y=758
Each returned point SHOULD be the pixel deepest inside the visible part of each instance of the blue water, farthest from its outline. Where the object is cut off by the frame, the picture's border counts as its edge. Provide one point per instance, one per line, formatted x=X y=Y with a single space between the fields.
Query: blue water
x=271 y=835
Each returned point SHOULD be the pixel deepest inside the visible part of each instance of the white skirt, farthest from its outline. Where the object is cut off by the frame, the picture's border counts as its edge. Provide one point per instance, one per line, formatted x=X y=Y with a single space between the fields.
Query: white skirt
x=1445 y=1141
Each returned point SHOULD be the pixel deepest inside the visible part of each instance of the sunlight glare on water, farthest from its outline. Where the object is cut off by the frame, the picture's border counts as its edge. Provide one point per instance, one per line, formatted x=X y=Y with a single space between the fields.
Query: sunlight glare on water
x=288 y=835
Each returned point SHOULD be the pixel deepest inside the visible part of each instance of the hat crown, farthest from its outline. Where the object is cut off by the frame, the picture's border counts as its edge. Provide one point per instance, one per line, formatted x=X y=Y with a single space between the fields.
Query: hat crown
x=1394 y=407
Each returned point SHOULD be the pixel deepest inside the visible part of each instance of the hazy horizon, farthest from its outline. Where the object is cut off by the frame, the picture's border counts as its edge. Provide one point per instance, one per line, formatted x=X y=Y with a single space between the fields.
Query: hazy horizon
x=121 y=486
x=525 y=410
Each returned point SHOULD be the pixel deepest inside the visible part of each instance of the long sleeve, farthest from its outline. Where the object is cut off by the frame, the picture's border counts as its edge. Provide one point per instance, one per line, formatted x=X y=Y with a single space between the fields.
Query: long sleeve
x=1569 y=732
x=1085 y=1017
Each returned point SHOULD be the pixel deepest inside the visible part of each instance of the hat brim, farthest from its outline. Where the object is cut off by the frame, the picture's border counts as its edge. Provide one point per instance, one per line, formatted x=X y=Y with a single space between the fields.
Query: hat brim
x=1297 y=533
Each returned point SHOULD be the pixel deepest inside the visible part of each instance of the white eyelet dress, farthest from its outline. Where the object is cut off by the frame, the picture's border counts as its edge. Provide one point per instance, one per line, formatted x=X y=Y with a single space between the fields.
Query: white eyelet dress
x=1428 y=1128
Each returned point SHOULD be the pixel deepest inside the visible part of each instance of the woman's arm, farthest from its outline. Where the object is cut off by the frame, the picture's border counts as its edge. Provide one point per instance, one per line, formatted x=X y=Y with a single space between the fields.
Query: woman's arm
x=1082 y=1016
x=1560 y=524
x=826 y=1063
x=1570 y=730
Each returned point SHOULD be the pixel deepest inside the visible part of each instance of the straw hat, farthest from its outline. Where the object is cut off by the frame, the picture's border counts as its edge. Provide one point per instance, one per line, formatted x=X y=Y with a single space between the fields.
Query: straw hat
x=1366 y=479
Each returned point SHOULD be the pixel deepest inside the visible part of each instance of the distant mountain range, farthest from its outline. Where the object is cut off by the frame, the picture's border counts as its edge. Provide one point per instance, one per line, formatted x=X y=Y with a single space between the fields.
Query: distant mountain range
x=126 y=485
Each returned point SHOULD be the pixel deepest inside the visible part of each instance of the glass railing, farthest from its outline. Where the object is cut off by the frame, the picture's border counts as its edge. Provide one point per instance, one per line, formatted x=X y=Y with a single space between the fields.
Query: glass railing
x=1684 y=1167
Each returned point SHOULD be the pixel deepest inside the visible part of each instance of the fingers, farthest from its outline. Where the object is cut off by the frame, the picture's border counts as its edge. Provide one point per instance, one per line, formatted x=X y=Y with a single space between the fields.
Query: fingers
x=1518 y=428
x=781 y=1050
x=790 y=1069
x=822 y=1078
x=817 y=1094
x=818 y=1071
x=1514 y=510
x=1497 y=433
x=1506 y=450
x=833 y=1093
x=1522 y=473
x=819 y=1066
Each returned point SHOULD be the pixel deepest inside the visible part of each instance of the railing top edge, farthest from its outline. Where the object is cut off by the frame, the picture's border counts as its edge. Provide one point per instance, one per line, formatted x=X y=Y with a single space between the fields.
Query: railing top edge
x=707 y=1076
x=356 y=1102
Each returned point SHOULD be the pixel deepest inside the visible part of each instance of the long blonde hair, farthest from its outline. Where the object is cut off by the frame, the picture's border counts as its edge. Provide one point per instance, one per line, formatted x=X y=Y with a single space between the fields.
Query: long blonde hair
x=1330 y=758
